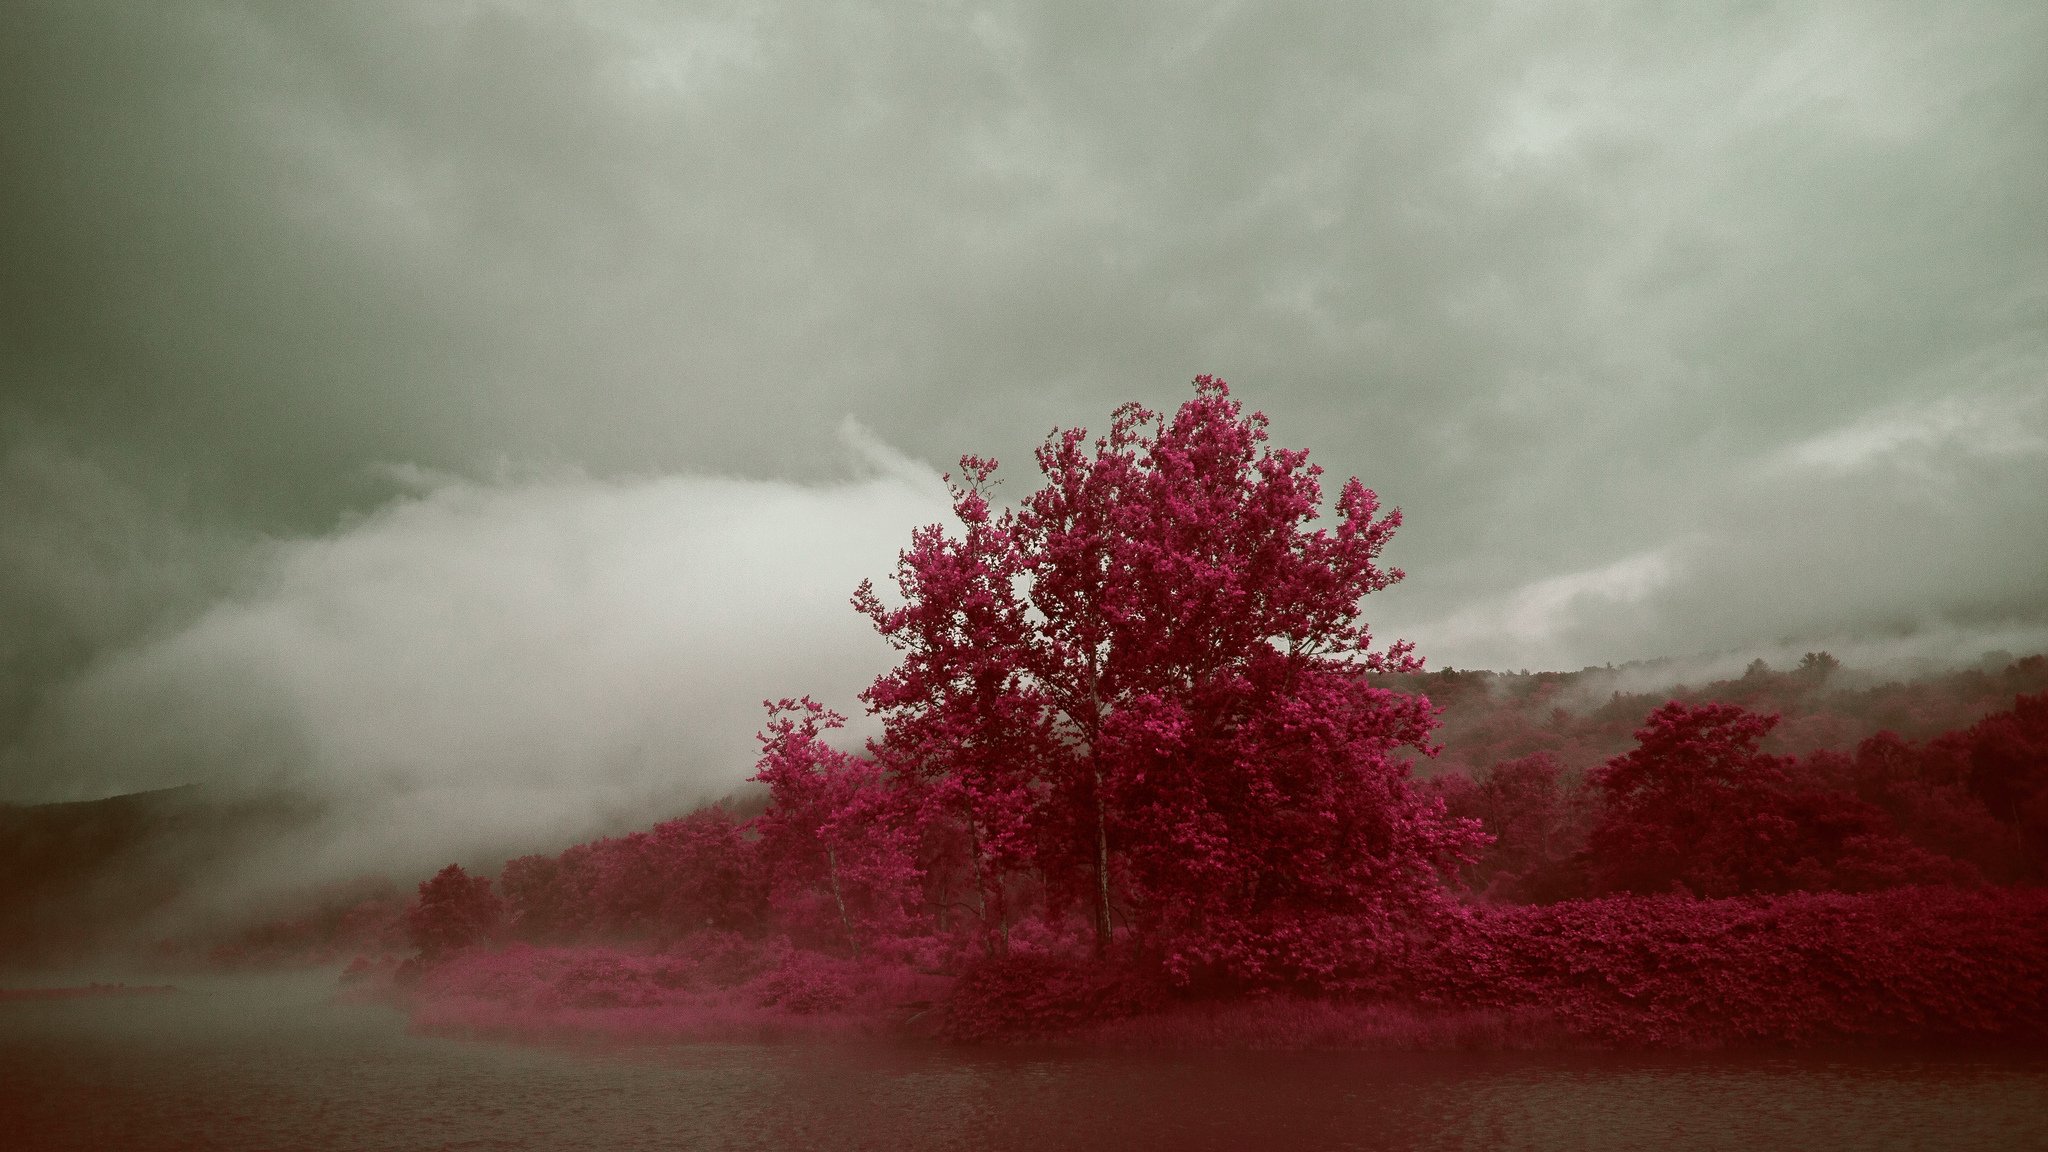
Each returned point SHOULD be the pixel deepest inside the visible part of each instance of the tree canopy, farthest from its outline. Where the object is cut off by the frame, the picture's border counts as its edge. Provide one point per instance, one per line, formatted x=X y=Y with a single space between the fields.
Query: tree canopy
x=1142 y=692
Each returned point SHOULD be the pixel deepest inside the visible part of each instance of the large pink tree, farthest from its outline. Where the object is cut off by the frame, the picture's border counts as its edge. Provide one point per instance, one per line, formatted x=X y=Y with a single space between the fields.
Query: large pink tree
x=1146 y=683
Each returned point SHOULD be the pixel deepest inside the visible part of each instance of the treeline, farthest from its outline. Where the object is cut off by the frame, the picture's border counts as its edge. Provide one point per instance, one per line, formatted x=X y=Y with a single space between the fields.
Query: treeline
x=1696 y=808
x=1699 y=806
x=1694 y=889
x=1580 y=719
x=1703 y=800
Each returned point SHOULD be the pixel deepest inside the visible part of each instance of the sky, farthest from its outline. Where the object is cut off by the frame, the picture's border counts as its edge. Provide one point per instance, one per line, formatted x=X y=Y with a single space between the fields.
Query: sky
x=489 y=404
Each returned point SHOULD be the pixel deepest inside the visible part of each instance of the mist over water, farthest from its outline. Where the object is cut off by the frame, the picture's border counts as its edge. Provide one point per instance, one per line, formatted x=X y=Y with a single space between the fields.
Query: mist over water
x=273 y=1062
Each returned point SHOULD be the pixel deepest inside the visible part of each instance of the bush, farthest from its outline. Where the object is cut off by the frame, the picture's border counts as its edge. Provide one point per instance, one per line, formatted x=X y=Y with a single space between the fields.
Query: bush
x=1906 y=964
x=1042 y=997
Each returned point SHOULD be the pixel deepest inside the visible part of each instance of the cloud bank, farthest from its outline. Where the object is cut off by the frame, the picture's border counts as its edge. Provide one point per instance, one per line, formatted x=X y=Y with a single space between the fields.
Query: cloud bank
x=1703 y=328
x=485 y=665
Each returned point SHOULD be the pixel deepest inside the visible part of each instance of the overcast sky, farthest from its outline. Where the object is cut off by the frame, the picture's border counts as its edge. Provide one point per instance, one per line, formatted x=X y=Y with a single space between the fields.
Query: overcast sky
x=387 y=387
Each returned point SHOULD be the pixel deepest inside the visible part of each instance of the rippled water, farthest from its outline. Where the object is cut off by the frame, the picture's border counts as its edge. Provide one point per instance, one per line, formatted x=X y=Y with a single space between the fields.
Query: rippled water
x=272 y=1064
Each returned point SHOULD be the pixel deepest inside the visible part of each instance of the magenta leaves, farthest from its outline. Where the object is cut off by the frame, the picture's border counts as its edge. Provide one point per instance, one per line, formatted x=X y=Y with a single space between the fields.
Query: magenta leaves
x=455 y=910
x=834 y=840
x=1141 y=694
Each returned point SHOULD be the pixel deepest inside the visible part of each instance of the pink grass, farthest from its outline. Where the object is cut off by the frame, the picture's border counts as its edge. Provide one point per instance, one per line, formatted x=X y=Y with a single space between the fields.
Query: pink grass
x=1907 y=966
x=1290 y=1023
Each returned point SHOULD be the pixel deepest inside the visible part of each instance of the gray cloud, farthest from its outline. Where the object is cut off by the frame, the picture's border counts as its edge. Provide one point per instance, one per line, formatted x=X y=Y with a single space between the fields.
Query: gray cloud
x=1671 y=329
x=90 y=561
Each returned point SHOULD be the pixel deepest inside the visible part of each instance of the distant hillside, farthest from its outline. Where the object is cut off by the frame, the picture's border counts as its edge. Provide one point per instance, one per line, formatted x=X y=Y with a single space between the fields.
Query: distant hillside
x=1584 y=717
x=80 y=875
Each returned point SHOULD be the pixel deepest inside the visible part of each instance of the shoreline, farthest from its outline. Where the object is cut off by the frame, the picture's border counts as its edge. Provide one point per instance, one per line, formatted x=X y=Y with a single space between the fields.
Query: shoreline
x=85 y=991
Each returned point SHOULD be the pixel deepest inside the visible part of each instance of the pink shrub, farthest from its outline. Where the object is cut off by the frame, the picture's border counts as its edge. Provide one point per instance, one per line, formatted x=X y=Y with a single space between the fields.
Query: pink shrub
x=806 y=983
x=1041 y=997
x=1906 y=964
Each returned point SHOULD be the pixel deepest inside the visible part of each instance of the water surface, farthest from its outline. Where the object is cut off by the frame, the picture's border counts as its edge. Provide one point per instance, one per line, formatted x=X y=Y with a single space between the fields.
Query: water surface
x=271 y=1063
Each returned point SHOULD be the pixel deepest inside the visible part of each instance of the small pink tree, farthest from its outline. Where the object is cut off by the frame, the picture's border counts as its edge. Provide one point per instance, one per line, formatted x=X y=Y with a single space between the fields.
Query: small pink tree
x=1697 y=806
x=834 y=841
x=1690 y=806
x=454 y=911
x=1537 y=816
x=969 y=733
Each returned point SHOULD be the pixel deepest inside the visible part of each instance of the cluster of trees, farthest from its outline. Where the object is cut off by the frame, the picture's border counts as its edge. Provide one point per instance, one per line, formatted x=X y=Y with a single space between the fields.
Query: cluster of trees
x=1132 y=711
x=1699 y=806
x=1138 y=714
x=674 y=878
x=845 y=858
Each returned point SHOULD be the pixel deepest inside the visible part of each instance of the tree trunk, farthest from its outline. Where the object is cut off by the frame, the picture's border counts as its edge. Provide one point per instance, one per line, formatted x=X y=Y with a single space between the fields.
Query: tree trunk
x=1103 y=928
x=1102 y=925
x=832 y=866
x=988 y=938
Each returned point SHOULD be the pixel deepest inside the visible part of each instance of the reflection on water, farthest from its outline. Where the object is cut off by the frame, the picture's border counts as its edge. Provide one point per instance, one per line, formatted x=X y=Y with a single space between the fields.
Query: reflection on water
x=271 y=1064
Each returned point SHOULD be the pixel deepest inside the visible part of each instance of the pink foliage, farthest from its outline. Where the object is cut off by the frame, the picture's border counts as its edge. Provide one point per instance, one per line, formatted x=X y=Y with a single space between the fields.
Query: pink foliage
x=835 y=841
x=1147 y=683
x=1044 y=997
x=1906 y=964
x=454 y=911
x=1909 y=964
x=1690 y=804
x=1697 y=807
x=969 y=731
x=2007 y=754
x=677 y=877
x=1538 y=814
x=1492 y=717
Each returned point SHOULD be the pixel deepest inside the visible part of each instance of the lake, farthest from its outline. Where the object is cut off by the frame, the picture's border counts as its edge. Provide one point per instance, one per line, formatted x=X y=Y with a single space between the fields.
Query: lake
x=272 y=1063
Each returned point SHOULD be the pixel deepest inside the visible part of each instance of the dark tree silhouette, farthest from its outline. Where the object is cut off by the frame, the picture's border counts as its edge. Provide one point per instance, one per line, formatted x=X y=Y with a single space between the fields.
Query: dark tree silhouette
x=455 y=910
